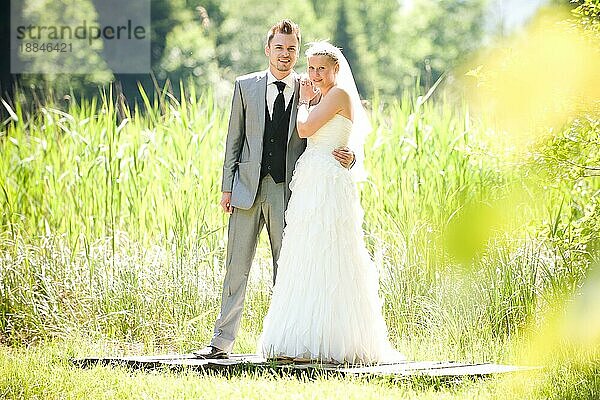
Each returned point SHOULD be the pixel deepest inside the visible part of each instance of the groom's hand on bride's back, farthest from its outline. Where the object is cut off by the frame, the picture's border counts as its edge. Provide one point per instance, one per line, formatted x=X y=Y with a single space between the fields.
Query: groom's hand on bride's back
x=226 y=202
x=345 y=156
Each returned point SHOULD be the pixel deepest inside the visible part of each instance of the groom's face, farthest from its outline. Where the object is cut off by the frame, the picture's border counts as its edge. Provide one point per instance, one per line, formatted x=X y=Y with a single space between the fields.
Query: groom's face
x=282 y=53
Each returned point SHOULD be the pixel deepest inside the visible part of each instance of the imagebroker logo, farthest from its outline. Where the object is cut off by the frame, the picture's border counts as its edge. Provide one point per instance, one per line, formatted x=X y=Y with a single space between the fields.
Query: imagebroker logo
x=99 y=36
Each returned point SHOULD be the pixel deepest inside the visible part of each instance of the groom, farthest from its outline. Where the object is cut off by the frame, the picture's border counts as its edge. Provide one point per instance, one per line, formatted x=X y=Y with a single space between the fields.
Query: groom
x=261 y=151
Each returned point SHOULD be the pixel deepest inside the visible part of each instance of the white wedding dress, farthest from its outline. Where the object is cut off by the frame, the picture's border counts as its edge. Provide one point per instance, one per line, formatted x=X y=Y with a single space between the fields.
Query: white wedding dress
x=325 y=304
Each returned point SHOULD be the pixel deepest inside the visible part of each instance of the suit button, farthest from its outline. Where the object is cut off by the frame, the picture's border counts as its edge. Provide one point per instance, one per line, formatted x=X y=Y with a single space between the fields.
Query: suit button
x=272 y=140
x=270 y=153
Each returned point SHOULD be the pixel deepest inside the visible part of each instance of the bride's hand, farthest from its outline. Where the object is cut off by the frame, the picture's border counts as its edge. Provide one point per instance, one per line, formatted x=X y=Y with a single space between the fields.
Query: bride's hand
x=307 y=90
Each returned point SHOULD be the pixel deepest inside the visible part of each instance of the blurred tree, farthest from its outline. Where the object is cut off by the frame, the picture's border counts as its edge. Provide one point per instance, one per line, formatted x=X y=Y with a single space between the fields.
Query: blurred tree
x=7 y=80
x=349 y=34
x=209 y=42
x=164 y=16
x=381 y=25
x=241 y=37
x=365 y=32
x=389 y=45
x=52 y=72
x=565 y=3
x=437 y=36
x=190 y=52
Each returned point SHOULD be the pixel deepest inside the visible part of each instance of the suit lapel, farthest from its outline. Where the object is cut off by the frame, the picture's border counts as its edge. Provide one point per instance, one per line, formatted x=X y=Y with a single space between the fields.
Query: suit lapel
x=260 y=93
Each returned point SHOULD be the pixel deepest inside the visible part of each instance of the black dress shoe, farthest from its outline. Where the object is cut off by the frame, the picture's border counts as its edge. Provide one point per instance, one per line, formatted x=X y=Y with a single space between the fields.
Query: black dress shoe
x=210 y=352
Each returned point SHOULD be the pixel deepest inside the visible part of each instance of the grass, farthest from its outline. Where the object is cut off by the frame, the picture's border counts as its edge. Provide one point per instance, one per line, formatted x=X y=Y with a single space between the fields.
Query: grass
x=45 y=372
x=111 y=231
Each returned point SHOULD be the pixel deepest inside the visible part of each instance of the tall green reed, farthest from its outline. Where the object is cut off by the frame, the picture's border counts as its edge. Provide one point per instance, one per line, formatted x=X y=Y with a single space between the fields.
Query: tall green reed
x=102 y=188
x=111 y=226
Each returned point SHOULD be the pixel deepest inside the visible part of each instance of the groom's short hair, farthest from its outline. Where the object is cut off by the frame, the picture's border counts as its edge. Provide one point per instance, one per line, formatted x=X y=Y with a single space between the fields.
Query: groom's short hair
x=285 y=26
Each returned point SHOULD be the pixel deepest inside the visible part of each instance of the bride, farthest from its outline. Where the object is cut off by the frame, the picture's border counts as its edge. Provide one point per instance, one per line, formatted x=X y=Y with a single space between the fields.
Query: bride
x=325 y=304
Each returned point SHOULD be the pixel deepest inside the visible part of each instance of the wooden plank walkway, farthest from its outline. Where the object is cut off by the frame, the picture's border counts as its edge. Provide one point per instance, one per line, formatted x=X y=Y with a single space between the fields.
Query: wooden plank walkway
x=252 y=362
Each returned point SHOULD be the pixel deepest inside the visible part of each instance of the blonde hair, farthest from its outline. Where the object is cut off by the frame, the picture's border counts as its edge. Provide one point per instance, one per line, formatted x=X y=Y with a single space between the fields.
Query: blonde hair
x=324 y=48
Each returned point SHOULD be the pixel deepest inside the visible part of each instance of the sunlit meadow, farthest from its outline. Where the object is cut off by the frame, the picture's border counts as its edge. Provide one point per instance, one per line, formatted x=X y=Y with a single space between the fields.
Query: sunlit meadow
x=112 y=242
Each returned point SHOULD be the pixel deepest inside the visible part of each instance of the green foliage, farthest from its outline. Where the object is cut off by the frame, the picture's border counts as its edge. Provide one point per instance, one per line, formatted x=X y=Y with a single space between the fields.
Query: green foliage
x=49 y=13
x=587 y=15
x=435 y=36
x=381 y=22
x=210 y=42
x=242 y=36
x=100 y=184
x=573 y=155
x=348 y=33
x=190 y=53
x=110 y=226
x=115 y=226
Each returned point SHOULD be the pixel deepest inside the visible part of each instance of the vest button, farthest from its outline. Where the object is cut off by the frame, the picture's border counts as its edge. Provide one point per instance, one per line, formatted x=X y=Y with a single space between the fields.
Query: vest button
x=270 y=153
x=272 y=140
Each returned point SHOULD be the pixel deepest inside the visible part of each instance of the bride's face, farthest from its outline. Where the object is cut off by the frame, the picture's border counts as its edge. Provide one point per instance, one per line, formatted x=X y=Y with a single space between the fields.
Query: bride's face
x=322 y=71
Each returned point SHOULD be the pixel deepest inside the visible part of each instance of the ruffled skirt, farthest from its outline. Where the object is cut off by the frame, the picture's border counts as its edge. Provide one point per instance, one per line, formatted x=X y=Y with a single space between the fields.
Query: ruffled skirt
x=325 y=304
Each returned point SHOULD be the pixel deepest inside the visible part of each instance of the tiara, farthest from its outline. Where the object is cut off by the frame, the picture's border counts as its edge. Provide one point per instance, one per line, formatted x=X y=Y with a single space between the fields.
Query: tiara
x=323 y=48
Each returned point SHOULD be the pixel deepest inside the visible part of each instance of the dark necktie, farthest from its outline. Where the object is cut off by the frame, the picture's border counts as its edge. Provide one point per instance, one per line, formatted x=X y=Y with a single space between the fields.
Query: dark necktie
x=279 y=104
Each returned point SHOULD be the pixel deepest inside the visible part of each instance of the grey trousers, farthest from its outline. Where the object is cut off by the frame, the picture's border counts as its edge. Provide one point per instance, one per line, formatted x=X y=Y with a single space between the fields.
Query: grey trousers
x=242 y=237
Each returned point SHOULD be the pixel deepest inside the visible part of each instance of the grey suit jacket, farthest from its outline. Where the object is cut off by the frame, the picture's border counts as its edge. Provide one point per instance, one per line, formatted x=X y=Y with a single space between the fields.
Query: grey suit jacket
x=243 y=148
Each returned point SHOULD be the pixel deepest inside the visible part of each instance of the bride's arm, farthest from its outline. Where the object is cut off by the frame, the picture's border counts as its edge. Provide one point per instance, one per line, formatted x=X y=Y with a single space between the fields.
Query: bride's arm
x=337 y=101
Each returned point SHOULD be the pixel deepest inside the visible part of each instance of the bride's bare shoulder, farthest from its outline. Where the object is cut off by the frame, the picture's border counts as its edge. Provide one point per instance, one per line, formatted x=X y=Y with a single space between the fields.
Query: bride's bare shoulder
x=340 y=96
x=339 y=92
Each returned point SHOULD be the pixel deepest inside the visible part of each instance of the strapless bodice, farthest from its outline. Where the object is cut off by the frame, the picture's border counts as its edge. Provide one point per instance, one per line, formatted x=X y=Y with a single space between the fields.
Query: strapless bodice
x=333 y=134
